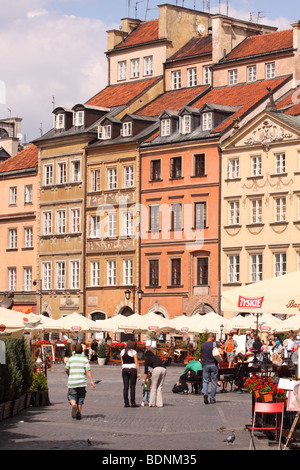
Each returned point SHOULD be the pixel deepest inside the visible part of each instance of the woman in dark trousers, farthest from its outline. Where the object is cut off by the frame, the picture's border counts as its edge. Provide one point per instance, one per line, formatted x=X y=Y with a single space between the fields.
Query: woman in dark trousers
x=158 y=378
x=130 y=372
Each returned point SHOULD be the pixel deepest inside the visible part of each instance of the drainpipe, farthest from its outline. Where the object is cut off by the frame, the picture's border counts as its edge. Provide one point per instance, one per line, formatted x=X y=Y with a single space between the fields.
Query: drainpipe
x=219 y=231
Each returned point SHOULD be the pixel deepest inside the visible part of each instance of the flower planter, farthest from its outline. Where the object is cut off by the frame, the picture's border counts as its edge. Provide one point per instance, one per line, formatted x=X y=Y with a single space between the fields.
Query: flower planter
x=15 y=407
x=256 y=394
x=44 y=398
x=7 y=412
x=35 y=398
x=266 y=397
x=101 y=361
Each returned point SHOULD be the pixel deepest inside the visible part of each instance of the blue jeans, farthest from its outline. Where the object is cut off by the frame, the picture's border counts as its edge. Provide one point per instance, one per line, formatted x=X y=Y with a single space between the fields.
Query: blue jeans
x=210 y=371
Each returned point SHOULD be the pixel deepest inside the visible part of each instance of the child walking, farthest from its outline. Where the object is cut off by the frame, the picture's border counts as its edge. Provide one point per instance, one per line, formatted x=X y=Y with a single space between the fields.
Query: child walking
x=146 y=389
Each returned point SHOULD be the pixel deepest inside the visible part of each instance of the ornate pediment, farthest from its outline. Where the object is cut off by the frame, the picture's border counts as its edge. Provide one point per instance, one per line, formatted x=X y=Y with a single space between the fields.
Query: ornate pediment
x=267 y=134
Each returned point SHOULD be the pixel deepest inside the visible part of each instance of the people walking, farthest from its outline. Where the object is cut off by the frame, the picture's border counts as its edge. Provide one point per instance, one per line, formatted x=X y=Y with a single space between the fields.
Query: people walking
x=78 y=369
x=130 y=372
x=210 y=368
x=158 y=378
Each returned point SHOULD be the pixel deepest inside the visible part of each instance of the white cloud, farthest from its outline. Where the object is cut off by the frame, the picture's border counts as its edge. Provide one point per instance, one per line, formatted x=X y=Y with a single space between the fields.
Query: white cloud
x=50 y=55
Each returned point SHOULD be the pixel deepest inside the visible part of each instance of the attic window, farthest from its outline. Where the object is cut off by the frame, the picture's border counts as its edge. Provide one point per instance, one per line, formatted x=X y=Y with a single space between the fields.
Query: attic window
x=126 y=130
x=59 y=121
x=185 y=124
x=207 y=121
x=165 y=127
x=78 y=118
x=104 y=132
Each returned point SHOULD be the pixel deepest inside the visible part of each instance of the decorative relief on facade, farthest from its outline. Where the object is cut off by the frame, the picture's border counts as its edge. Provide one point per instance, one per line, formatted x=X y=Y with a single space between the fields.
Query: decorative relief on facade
x=267 y=134
x=105 y=245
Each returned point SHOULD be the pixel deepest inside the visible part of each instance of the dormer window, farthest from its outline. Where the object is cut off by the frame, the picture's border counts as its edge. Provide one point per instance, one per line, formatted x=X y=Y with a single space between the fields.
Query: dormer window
x=59 y=121
x=207 y=121
x=165 y=127
x=78 y=118
x=185 y=123
x=126 y=130
x=104 y=132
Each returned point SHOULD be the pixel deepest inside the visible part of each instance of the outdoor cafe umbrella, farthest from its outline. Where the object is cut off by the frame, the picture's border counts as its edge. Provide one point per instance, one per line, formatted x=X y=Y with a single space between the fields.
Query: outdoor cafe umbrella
x=211 y=322
x=291 y=323
x=279 y=295
x=13 y=323
x=241 y=323
x=149 y=322
x=181 y=323
x=77 y=323
x=46 y=324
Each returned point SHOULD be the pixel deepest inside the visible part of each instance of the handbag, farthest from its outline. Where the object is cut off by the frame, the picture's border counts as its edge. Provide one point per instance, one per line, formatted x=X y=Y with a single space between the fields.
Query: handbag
x=216 y=353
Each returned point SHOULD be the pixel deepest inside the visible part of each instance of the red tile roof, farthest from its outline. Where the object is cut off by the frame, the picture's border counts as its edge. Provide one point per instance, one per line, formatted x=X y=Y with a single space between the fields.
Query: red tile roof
x=248 y=96
x=194 y=47
x=172 y=100
x=262 y=44
x=121 y=94
x=25 y=159
x=291 y=102
x=147 y=31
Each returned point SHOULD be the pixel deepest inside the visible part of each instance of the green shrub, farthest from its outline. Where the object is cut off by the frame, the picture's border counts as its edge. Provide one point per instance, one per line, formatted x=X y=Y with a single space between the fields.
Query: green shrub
x=39 y=383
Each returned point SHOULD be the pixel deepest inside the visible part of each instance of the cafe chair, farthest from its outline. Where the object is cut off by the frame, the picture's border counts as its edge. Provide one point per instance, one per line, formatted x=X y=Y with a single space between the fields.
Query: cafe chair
x=264 y=409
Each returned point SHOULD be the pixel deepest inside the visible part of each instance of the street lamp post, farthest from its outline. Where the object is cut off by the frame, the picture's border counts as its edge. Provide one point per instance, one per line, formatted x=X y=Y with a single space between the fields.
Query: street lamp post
x=134 y=290
x=35 y=282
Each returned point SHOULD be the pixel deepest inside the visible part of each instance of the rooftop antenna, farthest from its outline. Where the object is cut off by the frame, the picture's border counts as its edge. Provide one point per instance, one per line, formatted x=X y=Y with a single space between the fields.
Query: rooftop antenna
x=41 y=129
x=257 y=17
x=53 y=101
x=148 y=9
x=136 y=4
x=128 y=8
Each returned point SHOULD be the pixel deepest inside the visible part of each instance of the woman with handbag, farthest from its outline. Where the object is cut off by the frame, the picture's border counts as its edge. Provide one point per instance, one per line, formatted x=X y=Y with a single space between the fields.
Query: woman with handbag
x=209 y=350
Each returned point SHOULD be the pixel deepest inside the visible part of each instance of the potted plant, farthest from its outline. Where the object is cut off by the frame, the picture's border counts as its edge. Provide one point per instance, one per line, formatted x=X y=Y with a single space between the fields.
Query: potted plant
x=102 y=353
x=39 y=390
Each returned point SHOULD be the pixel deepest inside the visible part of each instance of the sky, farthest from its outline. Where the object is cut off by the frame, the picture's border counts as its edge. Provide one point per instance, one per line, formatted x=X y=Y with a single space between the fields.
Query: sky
x=53 y=51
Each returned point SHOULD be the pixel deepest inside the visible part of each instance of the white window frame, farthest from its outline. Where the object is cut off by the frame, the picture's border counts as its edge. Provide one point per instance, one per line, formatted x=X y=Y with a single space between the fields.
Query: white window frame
x=95 y=273
x=165 y=127
x=206 y=75
x=78 y=118
x=186 y=124
x=111 y=272
x=61 y=221
x=12 y=279
x=251 y=73
x=280 y=209
x=232 y=77
x=112 y=225
x=126 y=130
x=28 y=192
x=95 y=180
x=270 y=70
x=47 y=222
x=122 y=70
x=104 y=132
x=176 y=79
x=13 y=238
x=128 y=176
x=135 y=68
x=192 y=77
x=62 y=173
x=279 y=264
x=127 y=272
x=233 y=212
x=233 y=168
x=233 y=268
x=46 y=270
x=48 y=174
x=75 y=220
x=148 y=65
x=127 y=224
x=60 y=275
x=76 y=171
x=94 y=231
x=74 y=274
x=59 y=121
x=27 y=278
x=280 y=163
x=256 y=267
x=256 y=211
x=13 y=195
x=256 y=165
x=112 y=178
x=207 y=121
x=28 y=237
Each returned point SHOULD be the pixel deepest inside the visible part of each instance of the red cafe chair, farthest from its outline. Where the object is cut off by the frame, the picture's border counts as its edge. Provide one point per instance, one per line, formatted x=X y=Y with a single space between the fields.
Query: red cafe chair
x=266 y=408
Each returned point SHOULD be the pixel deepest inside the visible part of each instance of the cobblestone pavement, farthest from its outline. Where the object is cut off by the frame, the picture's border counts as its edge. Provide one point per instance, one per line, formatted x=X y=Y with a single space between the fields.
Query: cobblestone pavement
x=185 y=423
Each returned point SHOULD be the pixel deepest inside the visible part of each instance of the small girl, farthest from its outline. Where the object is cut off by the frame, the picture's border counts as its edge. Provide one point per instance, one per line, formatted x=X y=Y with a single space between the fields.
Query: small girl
x=146 y=389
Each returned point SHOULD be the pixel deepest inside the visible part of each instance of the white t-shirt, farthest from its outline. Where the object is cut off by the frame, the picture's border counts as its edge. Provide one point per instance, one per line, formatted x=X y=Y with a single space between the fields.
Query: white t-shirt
x=131 y=353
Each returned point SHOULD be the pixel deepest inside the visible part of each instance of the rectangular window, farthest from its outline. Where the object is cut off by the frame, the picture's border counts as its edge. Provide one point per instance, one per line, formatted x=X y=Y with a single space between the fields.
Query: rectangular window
x=148 y=65
x=279 y=264
x=280 y=163
x=233 y=274
x=127 y=272
x=95 y=270
x=112 y=178
x=256 y=267
x=202 y=271
x=59 y=121
x=12 y=238
x=153 y=272
x=200 y=215
x=270 y=70
x=48 y=175
x=28 y=238
x=75 y=220
x=206 y=75
x=75 y=172
x=78 y=118
x=46 y=281
x=126 y=130
x=251 y=73
x=186 y=124
x=62 y=173
x=176 y=272
x=233 y=169
x=127 y=224
x=28 y=194
x=192 y=77
x=154 y=219
x=111 y=273
x=60 y=275
x=135 y=68
x=12 y=279
x=175 y=170
x=207 y=123
x=122 y=70
x=256 y=165
x=232 y=77
x=280 y=209
x=176 y=80
x=165 y=127
x=47 y=223
x=176 y=217
x=74 y=268
x=155 y=170
x=104 y=132
x=27 y=273
x=95 y=226
x=112 y=224
x=199 y=164
x=256 y=211
x=233 y=213
x=95 y=180
x=128 y=176
x=60 y=222
x=13 y=195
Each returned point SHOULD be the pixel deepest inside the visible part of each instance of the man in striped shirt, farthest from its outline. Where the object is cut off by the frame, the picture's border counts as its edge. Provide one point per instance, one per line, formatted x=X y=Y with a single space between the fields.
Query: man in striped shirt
x=78 y=369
